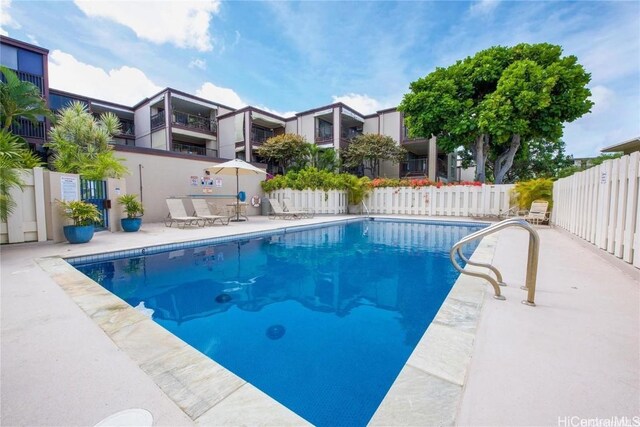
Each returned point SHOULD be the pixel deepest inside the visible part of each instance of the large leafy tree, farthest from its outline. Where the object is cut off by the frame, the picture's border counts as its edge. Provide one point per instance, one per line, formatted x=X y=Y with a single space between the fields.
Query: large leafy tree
x=497 y=101
x=369 y=150
x=538 y=158
x=284 y=150
x=19 y=99
x=80 y=143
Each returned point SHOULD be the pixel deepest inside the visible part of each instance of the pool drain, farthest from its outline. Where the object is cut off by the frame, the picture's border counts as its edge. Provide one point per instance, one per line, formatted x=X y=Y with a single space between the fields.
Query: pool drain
x=275 y=332
x=222 y=298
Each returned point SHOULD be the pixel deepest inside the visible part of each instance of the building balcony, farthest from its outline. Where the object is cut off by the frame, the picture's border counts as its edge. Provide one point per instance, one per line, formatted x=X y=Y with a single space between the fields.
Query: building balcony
x=27 y=129
x=196 y=150
x=260 y=136
x=28 y=77
x=157 y=120
x=414 y=167
x=324 y=139
x=193 y=122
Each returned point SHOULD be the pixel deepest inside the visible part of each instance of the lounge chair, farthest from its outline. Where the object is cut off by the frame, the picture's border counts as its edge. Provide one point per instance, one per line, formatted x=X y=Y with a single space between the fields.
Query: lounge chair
x=303 y=212
x=538 y=212
x=278 y=212
x=201 y=208
x=178 y=215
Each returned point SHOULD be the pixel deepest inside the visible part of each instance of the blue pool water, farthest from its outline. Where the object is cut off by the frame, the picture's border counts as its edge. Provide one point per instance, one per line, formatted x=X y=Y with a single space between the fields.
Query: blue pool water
x=322 y=320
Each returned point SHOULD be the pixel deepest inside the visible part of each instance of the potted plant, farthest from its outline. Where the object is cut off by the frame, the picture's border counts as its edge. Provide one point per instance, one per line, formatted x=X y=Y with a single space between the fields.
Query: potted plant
x=134 y=211
x=84 y=215
x=357 y=189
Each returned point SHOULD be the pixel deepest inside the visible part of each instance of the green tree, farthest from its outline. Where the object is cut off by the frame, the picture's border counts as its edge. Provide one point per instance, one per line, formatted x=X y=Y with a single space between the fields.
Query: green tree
x=15 y=158
x=369 y=150
x=19 y=99
x=498 y=100
x=80 y=143
x=322 y=158
x=285 y=150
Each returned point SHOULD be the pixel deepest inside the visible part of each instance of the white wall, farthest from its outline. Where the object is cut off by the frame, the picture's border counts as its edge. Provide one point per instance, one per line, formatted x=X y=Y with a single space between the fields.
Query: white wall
x=167 y=176
x=370 y=125
x=307 y=127
x=159 y=140
x=226 y=137
x=142 y=122
x=291 y=127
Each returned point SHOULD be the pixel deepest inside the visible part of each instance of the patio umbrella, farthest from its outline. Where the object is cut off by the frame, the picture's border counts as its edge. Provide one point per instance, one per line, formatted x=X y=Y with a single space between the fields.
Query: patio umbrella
x=235 y=167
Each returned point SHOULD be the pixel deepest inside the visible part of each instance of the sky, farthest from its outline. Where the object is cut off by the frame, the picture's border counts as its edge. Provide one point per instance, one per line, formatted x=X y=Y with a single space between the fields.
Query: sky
x=288 y=57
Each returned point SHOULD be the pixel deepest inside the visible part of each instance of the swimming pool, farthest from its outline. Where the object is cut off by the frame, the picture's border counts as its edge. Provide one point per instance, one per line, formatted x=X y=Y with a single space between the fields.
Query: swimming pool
x=322 y=320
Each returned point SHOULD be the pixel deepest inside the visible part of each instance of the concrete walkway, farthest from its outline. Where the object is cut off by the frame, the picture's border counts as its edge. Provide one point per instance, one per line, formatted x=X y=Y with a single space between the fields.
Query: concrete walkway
x=576 y=353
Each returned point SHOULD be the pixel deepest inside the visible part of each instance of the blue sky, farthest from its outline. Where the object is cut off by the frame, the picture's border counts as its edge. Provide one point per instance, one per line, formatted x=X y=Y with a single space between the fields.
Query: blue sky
x=292 y=56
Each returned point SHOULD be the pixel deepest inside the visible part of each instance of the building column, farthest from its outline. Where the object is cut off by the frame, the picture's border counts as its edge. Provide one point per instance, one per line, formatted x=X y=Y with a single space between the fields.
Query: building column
x=336 y=128
x=432 y=158
x=247 y=136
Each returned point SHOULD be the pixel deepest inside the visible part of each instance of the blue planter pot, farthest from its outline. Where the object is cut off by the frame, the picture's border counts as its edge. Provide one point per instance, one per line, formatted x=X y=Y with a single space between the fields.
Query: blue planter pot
x=78 y=233
x=131 y=224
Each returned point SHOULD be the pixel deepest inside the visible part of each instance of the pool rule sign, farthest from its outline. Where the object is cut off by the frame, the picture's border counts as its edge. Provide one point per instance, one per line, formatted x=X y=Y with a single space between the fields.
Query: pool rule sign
x=69 y=188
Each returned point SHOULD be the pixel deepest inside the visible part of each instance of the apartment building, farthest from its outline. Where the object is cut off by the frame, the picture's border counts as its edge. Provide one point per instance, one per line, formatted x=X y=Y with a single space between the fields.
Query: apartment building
x=30 y=64
x=179 y=123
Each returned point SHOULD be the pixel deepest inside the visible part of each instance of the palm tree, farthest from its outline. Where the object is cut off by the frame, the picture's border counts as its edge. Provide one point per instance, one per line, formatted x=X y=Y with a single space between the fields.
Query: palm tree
x=19 y=99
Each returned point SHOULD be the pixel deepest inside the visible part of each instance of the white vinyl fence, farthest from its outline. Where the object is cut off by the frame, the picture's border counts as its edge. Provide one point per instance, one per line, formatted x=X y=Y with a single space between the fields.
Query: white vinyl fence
x=27 y=222
x=322 y=202
x=456 y=200
x=600 y=205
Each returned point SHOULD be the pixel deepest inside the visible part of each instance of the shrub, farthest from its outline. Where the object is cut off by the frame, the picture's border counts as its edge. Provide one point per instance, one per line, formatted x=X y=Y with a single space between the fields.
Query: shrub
x=527 y=192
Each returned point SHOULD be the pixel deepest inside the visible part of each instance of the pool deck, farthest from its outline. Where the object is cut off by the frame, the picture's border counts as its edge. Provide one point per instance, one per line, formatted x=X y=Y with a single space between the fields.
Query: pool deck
x=576 y=354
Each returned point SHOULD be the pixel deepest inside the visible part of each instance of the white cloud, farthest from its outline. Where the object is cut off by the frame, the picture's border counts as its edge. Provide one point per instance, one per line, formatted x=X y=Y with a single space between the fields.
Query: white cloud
x=124 y=85
x=221 y=95
x=182 y=23
x=198 y=63
x=483 y=7
x=5 y=18
x=602 y=98
x=285 y=115
x=362 y=103
x=32 y=39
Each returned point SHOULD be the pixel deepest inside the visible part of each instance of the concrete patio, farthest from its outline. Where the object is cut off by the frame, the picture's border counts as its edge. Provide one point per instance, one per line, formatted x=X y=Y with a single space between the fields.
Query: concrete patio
x=576 y=354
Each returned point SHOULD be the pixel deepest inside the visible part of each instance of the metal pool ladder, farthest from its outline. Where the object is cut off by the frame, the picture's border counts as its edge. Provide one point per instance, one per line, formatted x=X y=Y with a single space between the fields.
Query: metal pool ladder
x=532 y=260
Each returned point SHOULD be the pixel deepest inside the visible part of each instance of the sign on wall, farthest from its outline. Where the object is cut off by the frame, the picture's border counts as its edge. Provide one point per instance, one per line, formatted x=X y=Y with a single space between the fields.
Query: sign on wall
x=69 y=188
x=194 y=181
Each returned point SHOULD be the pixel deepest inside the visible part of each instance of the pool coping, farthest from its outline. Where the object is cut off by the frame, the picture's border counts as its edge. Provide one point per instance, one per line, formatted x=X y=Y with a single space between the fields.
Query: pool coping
x=428 y=389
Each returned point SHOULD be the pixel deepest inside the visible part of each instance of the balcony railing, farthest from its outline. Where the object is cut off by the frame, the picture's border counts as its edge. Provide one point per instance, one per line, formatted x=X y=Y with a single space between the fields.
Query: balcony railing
x=27 y=129
x=28 y=77
x=191 y=121
x=157 y=120
x=127 y=127
x=259 y=136
x=196 y=150
x=324 y=139
x=413 y=167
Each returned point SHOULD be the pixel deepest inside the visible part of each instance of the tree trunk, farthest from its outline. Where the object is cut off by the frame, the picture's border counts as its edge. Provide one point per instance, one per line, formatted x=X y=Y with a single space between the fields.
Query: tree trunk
x=478 y=150
x=505 y=160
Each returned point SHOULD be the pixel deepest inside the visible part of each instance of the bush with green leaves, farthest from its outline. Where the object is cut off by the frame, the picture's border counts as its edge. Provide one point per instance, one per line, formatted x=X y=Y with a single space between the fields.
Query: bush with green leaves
x=80 y=143
x=80 y=212
x=131 y=205
x=527 y=192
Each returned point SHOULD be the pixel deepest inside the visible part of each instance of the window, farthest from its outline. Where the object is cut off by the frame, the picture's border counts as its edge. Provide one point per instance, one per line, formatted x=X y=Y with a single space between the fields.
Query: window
x=30 y=62
x=9 y=56
x=58 y=102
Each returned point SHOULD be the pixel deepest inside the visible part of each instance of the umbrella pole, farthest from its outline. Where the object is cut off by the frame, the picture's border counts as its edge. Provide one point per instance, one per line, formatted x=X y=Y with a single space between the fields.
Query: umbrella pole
x=237 y=197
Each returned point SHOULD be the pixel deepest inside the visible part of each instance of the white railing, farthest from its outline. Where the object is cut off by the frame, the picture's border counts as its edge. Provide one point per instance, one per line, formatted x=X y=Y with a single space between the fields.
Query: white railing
x=322 y=202
x=457 y=200
x=600 y=205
